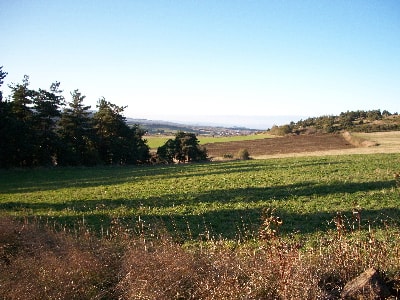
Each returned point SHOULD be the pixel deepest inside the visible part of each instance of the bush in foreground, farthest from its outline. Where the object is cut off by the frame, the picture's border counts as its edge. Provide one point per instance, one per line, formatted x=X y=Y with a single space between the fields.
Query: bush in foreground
x=37 y=262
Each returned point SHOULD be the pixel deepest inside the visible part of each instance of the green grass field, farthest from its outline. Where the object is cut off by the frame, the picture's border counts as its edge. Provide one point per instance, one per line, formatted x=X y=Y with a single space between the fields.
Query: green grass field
x=156 y=141
x=223 y=199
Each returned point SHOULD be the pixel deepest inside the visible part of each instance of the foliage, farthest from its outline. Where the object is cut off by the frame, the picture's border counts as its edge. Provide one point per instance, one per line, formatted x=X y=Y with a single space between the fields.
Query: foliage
x=281 y=130
x=77 y=134
x=46 y=107
x=117 y=142
x=39 y=262
x=360 y=121
x=2 y=76
x=243 y=154
x=166 y=153
x=38 y=130
x=17 y=139
x=185 y=147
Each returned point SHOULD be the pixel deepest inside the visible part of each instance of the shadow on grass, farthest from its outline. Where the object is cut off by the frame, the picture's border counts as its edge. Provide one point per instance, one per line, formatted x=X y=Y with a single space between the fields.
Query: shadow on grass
x=222 y=196
x=32 y=180
x=221 y=216
x=238 y=224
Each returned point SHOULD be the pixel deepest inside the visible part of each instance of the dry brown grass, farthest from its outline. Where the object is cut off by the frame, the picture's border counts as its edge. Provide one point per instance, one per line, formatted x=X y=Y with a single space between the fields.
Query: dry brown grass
x=37 y=262
x=358 y=141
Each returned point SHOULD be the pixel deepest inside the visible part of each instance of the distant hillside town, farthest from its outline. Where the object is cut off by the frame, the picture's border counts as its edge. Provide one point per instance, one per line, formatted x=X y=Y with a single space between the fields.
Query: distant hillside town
x=157 y=127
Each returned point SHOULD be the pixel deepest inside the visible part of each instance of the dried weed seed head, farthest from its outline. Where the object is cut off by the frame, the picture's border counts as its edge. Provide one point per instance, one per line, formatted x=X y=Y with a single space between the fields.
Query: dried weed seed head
x=339 y=223
x=357 y=216
x=270 y=224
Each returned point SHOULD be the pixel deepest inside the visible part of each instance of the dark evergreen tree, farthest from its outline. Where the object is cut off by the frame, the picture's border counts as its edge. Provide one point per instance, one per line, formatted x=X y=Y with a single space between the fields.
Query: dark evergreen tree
x=20 y=141
x=46 y=109
x=139 y=151
x=5 y=122
x=166 y=153
x=2 y=76
x=185 y=147
x=117 y=142
x=77 y=134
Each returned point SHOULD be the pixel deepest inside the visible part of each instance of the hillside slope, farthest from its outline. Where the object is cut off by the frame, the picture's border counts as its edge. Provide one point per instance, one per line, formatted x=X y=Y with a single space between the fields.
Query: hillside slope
x=311 y=145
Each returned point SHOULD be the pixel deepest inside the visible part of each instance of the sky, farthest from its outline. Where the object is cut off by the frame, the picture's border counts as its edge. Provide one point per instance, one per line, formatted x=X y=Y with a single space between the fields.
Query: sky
x=236 y=62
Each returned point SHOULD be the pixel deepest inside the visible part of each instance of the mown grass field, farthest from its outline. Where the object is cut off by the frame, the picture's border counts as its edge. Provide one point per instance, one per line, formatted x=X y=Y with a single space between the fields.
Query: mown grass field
x=222 y=199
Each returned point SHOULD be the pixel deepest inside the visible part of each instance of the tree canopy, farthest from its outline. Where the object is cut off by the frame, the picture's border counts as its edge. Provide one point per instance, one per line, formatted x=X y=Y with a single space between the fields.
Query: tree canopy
x=183 y=148
x=39 y=128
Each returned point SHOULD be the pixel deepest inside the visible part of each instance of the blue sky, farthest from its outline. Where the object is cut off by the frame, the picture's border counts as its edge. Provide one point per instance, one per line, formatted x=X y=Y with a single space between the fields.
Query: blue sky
x=209 y=60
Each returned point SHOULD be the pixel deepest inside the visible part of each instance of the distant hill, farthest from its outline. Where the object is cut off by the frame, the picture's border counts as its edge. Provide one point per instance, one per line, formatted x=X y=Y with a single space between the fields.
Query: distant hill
x=354 y=121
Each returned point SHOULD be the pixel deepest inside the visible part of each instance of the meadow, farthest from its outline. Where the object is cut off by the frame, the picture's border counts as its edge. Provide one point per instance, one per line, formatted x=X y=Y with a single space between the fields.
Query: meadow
x=224 y=199
x=281 y=228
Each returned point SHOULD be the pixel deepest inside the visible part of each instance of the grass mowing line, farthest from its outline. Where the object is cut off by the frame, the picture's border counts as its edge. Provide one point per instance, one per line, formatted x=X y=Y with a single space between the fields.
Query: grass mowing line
x=222 y=197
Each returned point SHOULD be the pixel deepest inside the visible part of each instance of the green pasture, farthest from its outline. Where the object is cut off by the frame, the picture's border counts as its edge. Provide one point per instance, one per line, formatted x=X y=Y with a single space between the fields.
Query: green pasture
x=233 y=138
x=156 y=141
x=222 y=199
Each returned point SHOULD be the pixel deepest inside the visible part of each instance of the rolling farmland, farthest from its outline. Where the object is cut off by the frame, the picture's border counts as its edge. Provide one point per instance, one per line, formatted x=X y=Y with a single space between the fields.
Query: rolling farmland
x=200 y=230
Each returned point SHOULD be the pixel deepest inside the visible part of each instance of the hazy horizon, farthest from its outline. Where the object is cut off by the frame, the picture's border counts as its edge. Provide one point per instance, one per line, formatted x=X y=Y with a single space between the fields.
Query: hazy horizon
x=250 y=122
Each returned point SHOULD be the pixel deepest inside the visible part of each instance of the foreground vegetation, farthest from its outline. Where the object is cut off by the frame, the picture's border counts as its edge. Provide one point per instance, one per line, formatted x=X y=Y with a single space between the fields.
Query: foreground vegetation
x=259 y=229
x=40 y=263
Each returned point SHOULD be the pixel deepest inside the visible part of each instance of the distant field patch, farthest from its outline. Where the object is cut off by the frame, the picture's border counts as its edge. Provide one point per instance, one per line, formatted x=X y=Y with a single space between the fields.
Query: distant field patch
x=280 y=145
x=225 y=139
x=156 y=141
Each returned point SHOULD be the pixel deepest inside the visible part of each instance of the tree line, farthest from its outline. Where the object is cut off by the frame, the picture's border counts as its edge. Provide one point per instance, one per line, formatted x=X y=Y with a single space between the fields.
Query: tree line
x=41 y=128
x=356 y=121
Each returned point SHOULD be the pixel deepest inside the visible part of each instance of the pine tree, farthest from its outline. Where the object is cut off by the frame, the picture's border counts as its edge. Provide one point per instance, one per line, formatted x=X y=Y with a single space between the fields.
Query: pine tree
x=20 y=134
x=76 y=134
x=2 y=76
x=117 y=142
x=46 y=109
x=5 y=122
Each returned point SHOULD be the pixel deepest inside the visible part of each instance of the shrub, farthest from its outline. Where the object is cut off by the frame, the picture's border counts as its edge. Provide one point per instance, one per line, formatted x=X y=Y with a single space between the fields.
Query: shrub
x=243 y=154
x=227 y=155
x=281 y=130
